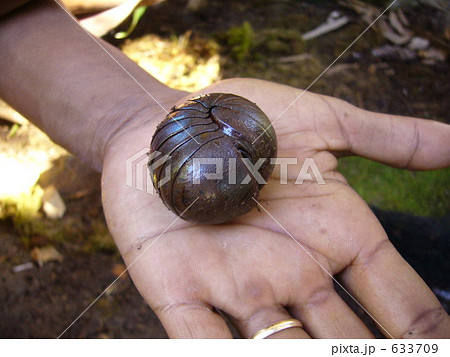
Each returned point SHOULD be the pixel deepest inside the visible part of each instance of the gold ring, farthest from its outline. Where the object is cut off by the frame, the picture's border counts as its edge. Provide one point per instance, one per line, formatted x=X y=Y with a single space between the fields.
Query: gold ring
x=279 y=326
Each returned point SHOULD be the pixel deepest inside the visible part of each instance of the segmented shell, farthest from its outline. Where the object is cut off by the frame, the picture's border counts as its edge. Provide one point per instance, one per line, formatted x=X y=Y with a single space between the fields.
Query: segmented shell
x=215 y=125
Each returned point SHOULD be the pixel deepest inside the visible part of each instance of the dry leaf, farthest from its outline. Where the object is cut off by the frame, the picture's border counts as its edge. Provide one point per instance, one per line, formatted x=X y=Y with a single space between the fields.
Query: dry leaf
x=119 y=269
x=46 y=254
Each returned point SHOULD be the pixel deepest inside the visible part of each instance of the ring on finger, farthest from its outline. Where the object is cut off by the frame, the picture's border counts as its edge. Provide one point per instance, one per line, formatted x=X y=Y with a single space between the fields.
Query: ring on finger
x=277 y=327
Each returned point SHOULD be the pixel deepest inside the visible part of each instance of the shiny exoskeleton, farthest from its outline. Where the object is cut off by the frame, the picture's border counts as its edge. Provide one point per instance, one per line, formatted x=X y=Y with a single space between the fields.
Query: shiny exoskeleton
x=225 y=128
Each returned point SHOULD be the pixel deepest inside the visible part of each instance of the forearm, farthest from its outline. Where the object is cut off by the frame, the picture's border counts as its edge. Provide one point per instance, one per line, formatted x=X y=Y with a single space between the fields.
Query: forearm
x=58 y=77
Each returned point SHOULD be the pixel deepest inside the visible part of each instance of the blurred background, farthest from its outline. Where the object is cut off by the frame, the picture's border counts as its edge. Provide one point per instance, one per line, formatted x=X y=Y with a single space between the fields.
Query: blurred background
x=56 y=254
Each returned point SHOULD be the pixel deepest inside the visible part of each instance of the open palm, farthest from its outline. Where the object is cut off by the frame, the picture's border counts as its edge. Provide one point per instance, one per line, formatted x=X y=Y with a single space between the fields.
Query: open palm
x=276 y=262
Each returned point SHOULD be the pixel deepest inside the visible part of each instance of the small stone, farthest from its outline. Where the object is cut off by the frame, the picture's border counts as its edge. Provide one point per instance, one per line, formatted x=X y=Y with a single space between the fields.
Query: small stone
x=22 y=267
x=418 y=43
x=52 y=203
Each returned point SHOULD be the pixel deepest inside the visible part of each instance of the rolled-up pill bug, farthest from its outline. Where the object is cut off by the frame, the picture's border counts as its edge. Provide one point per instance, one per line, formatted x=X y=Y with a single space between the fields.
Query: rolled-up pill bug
x=213 y=143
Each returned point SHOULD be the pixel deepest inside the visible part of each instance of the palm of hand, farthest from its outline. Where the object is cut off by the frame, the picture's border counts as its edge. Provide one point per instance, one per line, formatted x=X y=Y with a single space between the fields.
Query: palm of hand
x=272 y=263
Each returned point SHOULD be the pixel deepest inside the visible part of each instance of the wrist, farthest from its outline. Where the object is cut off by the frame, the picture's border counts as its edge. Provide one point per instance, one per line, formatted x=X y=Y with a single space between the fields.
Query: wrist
x=129 y=115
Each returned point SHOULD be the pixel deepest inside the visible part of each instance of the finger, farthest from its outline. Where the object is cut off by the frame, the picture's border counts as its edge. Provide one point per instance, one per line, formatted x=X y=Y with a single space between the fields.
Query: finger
x=394 y=140
x=326 y=315
x=263 y=318
x=193 y=321
x=395 y=295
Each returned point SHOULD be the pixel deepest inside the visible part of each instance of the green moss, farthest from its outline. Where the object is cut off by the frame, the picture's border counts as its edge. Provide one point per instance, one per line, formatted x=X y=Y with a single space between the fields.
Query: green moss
x=419 y=193
x=100 y=239
x=23 y=206
x=240 y=41
x=54 y=231
x=279 y=42
x=34 y=229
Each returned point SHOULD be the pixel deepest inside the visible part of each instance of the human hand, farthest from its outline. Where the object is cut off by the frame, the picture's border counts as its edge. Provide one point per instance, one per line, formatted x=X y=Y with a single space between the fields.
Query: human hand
x=276 y=263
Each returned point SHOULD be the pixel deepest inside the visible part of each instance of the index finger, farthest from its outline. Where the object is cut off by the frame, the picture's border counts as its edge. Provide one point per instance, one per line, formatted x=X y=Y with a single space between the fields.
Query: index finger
x=398 y=141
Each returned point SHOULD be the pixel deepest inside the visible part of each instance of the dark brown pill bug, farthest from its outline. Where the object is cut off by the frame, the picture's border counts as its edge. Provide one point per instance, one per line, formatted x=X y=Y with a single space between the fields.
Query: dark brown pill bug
x=216 y=126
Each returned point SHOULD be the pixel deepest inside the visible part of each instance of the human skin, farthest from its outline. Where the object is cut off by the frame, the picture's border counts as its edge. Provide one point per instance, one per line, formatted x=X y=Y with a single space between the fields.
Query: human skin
x=257 y=269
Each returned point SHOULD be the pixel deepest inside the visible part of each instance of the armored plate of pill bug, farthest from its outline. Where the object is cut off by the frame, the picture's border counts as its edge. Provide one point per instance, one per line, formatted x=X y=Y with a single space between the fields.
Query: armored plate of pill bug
x=207 y=150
